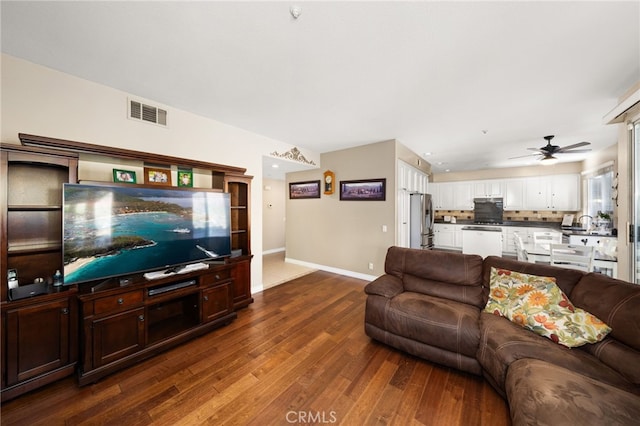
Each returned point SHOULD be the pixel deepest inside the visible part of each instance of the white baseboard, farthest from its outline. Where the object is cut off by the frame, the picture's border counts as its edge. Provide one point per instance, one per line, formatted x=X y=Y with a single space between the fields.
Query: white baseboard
x=339 y=271
x=275 y=250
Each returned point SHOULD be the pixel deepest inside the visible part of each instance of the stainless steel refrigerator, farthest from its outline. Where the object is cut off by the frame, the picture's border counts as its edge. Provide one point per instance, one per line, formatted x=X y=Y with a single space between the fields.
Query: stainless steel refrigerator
x=421 y=219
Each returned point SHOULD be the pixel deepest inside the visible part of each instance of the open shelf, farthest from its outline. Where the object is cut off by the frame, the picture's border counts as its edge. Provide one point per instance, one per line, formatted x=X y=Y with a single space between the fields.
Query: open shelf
x=166 y=319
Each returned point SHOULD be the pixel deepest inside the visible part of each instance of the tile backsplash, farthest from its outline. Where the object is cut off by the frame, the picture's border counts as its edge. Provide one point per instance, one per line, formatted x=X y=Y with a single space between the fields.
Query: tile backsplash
x=511 y=215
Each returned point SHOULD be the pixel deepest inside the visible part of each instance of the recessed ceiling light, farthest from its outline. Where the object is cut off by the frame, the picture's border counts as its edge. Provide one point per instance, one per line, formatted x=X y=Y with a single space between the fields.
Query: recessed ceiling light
x=447 y=170
x=426 y=154
x=295 y=11
x=275 y=166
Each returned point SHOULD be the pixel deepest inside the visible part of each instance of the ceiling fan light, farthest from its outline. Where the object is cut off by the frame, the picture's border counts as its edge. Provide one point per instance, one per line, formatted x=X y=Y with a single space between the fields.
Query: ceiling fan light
x=549 y=160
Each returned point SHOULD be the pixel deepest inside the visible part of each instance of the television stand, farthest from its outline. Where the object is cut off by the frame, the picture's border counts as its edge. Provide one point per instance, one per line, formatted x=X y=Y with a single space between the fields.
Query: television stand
x=121 y=326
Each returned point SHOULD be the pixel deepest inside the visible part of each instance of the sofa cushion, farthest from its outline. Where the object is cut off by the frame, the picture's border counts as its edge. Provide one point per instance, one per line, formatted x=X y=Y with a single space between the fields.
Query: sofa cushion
x=613 y=301
x=566 y=279
x=503 y=342
x=438 y=322
x=537 y=304
x=541 y=393
x=386 y=285
x=453 y=276
x=618 y=356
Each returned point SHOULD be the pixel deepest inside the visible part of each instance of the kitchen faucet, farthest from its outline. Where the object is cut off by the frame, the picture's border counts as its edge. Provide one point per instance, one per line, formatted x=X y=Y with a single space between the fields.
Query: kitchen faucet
x=590 y=220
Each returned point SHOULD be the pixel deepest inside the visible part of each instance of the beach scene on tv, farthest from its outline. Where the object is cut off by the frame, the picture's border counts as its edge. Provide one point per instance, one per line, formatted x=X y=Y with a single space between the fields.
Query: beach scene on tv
x=111 y=231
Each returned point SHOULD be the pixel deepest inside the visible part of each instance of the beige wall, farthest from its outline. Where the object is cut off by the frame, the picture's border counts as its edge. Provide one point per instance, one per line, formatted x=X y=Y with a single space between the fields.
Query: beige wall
x=345 y=235
x=274 y=213
x=46 y=102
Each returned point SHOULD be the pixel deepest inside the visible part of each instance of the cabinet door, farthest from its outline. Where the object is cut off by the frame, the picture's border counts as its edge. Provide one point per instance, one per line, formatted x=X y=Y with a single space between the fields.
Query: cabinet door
x=514 y=194
x=216 y=302
x=444 y=236
x=488 y=188
x=443 y=195
x=117 y=336
x=463 y=196
x=242 y=284
x=37 y=340
x=536 y=197
x=565 y=192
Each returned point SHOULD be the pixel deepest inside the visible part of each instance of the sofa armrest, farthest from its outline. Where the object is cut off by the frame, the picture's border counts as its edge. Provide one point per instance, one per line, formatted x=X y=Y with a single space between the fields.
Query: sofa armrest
x=386 y=285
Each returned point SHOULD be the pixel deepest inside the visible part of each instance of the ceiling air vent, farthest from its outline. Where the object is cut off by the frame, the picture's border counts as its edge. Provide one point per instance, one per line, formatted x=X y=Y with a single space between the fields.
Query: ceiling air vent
x=148 y=113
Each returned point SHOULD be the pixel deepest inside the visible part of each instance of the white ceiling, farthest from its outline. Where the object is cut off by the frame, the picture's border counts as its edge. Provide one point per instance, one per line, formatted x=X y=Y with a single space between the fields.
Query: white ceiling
x=473 y=83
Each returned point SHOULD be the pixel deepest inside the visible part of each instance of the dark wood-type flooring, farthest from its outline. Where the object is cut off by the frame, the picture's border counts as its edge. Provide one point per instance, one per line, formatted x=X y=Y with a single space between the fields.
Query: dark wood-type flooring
x=298 y=355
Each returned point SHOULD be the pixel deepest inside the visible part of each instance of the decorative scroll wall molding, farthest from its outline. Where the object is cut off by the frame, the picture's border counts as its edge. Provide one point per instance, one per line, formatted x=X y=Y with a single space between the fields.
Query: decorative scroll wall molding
x=295 y=155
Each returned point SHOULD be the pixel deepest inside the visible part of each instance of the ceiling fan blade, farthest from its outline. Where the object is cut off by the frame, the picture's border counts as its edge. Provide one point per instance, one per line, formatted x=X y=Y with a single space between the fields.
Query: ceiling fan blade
x=524 y=156
x=574 y=151
x=575 y=145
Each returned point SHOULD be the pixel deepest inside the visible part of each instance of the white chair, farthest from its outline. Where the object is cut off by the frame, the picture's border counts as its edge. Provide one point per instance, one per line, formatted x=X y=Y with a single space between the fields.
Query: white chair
x=520 y=251
x=572 y=256
x=547 y=237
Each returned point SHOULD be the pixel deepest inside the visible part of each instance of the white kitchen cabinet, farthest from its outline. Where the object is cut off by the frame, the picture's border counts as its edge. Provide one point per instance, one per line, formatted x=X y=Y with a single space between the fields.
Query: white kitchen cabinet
x=526 y=233
x=509 y=245
x=593 y=240
x=535 y=193
x=443 y=195
x=452 y=195
x=444 y=235
x=565 y=192
x=491 y=188
x=514 y=194
x=554 y=192
x=457 y=236
x=463 y=196
x=411 y=179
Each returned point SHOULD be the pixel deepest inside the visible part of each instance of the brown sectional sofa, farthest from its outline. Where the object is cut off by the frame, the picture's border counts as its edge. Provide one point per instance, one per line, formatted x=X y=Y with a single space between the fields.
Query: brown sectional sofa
x=430 y=304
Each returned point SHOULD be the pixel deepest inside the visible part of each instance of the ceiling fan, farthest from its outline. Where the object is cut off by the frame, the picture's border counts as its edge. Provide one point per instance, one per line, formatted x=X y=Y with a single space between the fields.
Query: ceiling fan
x=547 y=153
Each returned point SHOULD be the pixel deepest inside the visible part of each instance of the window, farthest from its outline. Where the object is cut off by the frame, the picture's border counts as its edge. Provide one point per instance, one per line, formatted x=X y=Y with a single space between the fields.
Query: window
x=600 y=192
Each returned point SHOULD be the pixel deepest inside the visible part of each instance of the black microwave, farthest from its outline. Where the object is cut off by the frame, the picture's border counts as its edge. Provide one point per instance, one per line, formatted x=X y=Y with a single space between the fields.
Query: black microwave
x=488 y=210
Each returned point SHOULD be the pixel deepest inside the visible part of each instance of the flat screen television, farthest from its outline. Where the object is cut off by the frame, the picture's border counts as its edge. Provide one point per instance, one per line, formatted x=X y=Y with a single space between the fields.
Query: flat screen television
x=121 y=230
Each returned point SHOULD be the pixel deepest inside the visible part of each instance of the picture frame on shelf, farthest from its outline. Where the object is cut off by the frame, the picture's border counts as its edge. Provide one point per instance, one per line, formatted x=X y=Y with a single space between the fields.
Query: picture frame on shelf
x=157 y=176
x=185 y=178
x=124 y=176
x=306 y=189
x=363 y=190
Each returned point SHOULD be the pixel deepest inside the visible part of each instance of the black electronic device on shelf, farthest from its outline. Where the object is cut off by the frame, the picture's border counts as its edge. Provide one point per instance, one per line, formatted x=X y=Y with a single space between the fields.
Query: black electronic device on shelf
x=169 y=287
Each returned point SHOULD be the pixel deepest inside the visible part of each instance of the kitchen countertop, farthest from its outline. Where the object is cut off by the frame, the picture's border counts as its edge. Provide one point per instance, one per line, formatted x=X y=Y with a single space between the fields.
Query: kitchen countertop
x=481 y=228
x=529 y=224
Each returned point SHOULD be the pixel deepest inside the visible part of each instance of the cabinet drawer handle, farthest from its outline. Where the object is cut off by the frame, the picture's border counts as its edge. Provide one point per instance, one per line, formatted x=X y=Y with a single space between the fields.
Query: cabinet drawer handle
x=217 y=277
x=65 y=311
x=120 y=301
x=141 y=317
x=206 y=298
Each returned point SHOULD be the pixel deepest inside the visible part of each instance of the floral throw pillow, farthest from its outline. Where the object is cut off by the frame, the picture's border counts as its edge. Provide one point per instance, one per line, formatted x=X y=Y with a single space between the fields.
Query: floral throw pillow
x=537 y=304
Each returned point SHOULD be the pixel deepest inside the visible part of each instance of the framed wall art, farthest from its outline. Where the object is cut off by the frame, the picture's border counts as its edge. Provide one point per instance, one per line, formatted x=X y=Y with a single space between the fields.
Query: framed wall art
x=153 y=176
x=124 y=176
x=185 y=178
x=363 y=190
x=307 y=189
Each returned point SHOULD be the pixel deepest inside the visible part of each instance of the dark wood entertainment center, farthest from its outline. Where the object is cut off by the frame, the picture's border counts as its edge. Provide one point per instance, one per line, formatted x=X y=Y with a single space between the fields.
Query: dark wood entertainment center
x=92 y=329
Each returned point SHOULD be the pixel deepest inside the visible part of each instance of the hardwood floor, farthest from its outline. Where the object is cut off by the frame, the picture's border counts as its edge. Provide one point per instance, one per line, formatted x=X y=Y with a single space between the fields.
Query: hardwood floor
x=298 y=355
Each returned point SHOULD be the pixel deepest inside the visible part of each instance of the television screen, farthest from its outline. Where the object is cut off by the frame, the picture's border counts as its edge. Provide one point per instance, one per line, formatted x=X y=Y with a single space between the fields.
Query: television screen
x=114 y=230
